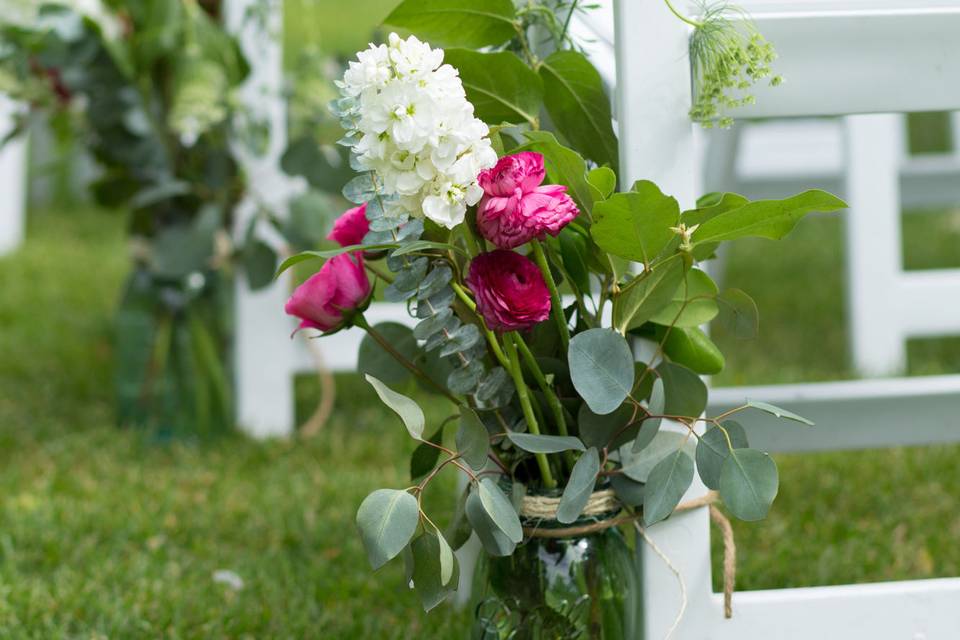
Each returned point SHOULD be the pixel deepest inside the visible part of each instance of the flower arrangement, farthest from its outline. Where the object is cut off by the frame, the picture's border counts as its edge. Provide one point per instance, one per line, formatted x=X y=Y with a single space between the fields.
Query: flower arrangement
x=513 y=253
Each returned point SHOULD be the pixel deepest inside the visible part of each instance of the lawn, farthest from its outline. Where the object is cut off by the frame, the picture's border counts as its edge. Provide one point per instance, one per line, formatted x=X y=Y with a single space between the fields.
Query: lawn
x=104 y=533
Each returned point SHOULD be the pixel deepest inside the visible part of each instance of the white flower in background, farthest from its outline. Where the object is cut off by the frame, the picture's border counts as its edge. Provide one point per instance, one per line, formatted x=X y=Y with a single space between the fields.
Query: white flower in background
x=412 y=124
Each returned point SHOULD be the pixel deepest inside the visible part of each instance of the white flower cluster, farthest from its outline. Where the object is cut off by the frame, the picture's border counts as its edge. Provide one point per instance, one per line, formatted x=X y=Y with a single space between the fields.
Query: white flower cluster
x=414 y=127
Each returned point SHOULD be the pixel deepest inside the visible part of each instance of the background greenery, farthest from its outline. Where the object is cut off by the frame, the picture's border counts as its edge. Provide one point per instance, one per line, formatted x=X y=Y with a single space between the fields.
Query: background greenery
x=105 y=534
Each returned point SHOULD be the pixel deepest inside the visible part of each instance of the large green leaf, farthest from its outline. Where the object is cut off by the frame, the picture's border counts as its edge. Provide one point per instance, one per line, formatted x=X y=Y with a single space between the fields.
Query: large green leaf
x=694 y=349
x=387 y=519
x=601 y=368
x=686 y=393
x=693 y=304
x=648 y=294
x=499 y=85
x=579 y=486
x=578 y=105
x=543 y=443
x=563 y=165
x=738 y=313
x=500 y=509
x=473 y=441
x=373 y=360
x=635 y=225
x=713 y=449
x=766 y=218
x=598 y=430
x=748 y=483
x=409 y=411
x=666 y=484
x=464 y=23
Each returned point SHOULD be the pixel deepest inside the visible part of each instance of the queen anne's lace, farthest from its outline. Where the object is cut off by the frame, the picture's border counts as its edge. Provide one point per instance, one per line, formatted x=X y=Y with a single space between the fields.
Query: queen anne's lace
x=411 y=123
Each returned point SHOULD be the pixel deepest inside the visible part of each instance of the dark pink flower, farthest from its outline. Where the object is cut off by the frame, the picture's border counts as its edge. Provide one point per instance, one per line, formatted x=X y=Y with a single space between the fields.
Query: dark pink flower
x=330 y=297
x=510 y=291
x=350 y=227
x=523 y=171
x=515 y=209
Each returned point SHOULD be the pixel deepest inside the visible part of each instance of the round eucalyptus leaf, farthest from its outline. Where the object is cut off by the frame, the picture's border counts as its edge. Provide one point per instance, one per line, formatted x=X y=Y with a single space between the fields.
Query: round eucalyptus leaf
x=748 y=483
x=686 y=394
x=500 y=509
x=579 y=486
x=493 y=539
x=601 y=367
x=666 y=484
x=713 y=449
x=387 y=519
x=409 y=411
x=473 y=441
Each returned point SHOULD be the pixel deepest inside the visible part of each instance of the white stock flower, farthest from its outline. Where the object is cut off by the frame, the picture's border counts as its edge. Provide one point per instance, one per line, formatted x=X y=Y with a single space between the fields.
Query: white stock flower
x=415 y=128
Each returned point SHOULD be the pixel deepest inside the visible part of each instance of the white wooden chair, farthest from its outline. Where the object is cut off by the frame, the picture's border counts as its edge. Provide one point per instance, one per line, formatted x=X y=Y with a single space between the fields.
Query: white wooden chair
x=841 y=57
x=13 y=182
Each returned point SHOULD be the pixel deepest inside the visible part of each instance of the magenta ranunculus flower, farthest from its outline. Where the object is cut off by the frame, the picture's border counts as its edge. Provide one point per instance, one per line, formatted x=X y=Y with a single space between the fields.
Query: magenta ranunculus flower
x=510 y=291
x=515 y=208
x=330 y=297
x=350 y=227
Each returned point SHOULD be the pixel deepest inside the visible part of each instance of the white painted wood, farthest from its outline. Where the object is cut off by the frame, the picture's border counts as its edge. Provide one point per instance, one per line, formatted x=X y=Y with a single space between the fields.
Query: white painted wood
x=13 y=182
x=264 y=352
x=851 y=414
x=873 y=242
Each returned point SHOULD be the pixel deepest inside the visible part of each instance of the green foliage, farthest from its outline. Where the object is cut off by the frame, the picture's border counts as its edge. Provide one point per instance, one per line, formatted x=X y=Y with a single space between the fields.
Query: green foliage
x=499 y=509
x=579 y=486
x=635 y=225
x=778 y=412
x=499 y=85
x=686 y=395
x=409 y=411
x=434 y=566
x=464 y=23
x=694 y=349
x=534 y=443
x=766 y=218
x=575 y=99
x=748 y=483
x=387 y=519
x=693 y=304
x=601 y=368
x=648 y=295
x=373 y=360
x=666 y=484
x=713 y=449
x=564 y=166
x=472 y=439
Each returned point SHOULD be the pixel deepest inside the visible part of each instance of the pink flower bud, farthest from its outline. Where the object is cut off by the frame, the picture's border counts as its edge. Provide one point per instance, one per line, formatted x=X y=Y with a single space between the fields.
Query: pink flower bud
x=350 y=227
x=330 y=297
x=510 y=291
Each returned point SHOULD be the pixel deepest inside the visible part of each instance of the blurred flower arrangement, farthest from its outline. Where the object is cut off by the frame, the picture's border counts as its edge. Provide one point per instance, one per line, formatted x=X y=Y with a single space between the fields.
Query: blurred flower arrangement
x=150 y=88
x=512 y=248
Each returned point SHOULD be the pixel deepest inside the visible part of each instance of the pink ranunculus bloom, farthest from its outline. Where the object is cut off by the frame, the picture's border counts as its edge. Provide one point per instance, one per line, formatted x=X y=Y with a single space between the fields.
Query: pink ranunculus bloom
x=510 y=291
x=515 y=208
x=523 y=171
x=330 y=297
x=350 y=227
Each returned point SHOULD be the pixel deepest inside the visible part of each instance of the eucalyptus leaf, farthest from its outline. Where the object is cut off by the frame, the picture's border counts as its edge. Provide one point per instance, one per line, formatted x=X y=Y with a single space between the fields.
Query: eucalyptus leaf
x=713 y=449
x=464 y=23
x=428 y=569
x=778 y=412
x=665 y=486
x=500 y=509
x=583 y=477
x=304 y=256
x=628 y=491
x=473 y=440
x=500 y=86
x=686 y=394
x=601 y=368
x=493 y=539
x=651 y=426
x=387 y=519
x=748 y=483
x=465 y=379
x=409 y=411
x=598 y=430
x=534 y=443
x=635 y=225
x=639 y=465
x=579 y=107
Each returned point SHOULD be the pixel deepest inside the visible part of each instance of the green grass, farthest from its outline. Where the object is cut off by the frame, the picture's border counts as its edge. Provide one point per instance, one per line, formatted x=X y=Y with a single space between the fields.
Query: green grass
x=103 y=533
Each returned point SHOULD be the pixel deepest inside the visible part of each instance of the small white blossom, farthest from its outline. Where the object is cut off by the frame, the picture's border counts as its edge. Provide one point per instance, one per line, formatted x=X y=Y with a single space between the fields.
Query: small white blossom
x=415 y=128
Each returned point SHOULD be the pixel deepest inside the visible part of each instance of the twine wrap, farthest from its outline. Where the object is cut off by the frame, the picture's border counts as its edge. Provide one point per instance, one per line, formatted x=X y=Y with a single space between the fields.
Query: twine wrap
x=603 y=502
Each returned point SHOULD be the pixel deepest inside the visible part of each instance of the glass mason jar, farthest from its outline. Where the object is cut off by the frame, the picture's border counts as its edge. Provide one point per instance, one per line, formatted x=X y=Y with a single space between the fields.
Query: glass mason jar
x=173 y=371
x=580 y=587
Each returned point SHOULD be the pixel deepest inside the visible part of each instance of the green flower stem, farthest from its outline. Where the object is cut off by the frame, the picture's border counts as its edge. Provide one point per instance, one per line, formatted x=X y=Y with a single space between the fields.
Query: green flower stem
x=491 y=338
x=683 y=18
x=555 y=407
x=361 y=322
x=524 y=396
x=556 y=306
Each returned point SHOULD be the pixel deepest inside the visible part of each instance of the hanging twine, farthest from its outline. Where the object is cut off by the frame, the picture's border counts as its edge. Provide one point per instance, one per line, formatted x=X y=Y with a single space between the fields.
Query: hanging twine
x=605 y=502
